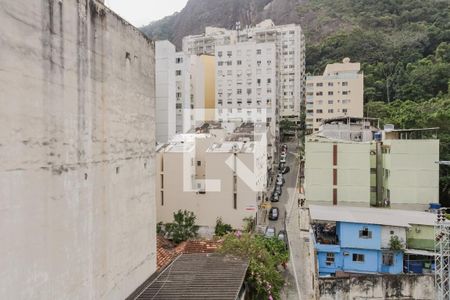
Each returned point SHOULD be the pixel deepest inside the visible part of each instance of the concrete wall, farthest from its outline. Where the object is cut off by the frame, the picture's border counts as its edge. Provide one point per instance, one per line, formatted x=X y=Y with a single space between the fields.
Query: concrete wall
x=413 y=178
x=353 y=172
x=387 y=232
x=376 y=287
x=165 y=91
x=77 y=216
x=421 y=237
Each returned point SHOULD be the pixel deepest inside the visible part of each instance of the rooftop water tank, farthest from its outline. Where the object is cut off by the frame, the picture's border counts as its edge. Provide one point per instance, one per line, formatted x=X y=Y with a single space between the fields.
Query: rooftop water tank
x=377 y=136
x=389 y=127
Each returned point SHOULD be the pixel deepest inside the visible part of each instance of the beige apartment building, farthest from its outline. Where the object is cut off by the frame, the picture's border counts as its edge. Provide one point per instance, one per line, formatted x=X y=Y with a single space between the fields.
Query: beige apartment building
x=212 y=173
x=338 y=92
x=349 y=161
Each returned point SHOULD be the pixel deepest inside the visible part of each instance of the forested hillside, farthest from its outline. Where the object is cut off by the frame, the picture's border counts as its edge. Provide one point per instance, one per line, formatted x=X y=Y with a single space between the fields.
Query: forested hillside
x=403 y=45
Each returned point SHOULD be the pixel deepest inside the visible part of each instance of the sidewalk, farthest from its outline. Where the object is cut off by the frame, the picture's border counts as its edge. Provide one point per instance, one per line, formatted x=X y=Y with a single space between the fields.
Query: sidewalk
x=300 y=265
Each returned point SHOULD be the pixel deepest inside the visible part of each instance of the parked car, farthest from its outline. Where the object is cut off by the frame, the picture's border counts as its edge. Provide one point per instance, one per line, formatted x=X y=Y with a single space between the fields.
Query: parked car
x=275 y=197
x=284 y=147
x=281 y=166
x=270 y=232
x=283 y=160
x=273 y=213
x=278 y=190
x=285 y=170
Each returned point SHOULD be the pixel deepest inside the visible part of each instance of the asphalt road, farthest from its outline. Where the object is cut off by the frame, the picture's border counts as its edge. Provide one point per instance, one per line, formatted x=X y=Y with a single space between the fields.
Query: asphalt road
x=288 y=189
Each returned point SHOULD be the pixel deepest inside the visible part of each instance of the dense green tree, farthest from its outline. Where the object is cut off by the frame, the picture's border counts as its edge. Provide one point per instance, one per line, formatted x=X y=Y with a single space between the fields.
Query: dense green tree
x=264 y=256
x=183 y=227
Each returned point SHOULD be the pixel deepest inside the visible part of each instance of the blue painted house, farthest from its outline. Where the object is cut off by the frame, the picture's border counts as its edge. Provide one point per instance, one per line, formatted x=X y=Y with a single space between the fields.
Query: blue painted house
x=347 y=240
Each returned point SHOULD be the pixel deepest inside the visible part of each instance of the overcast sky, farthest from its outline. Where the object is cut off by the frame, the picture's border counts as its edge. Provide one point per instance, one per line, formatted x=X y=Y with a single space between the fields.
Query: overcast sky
x=142 y=12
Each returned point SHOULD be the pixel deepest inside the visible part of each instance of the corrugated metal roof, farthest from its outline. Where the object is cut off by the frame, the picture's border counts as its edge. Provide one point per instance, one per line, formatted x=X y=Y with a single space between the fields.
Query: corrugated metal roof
x=198 y=276
x=364 y=215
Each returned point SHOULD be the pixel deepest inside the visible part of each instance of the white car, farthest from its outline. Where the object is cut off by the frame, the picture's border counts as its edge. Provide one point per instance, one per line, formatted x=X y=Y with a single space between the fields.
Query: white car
x=283 y=160
x=270 y=232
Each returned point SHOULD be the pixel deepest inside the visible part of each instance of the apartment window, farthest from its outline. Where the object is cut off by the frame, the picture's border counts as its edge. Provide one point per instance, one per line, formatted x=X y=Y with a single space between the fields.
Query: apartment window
x=219 y=54
x=330 y=111
x=319 y=84
x=229 y=63
x=358 y=257
x=319 y=94
x=239 y=62
x=239 y=91
x=269 y=62
x=330 y=93
x=269 y=91
x=235 y=201
x=258 y=81
x=162 y=198
x=199 y=163
x=335 y=175
x=345 y=92
x=330 y=258
x=344 y=83
x=330 y=84
x=335 y=199
x=178 y=96
x=344 y=110
x=365 y=233
x=318 y=120
x=330 y=101
x=178 y=106
x=220 y=63
x=269 y=80
x=309 y=94
x=388 y=259
x=179 y=60
x=177 y=73
x=373 y=171
x=229 y=53
x=258 y=52
x=249 y=91
x=319 y=111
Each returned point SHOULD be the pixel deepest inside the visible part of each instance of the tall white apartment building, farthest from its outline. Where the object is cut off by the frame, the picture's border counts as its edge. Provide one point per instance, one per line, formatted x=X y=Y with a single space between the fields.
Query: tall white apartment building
x=245 y=82
x=183 y=92
x=289 y=42
x=206 y=43
x=165 y=91
x=338 y=92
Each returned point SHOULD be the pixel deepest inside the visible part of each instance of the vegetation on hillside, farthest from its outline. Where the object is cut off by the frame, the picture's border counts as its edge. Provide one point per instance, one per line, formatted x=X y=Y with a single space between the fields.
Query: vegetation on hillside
x=403 y=45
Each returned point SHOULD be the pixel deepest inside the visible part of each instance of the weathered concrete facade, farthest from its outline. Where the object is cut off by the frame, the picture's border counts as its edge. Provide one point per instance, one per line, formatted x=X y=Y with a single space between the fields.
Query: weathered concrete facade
x=378 y=287
x=77 y=215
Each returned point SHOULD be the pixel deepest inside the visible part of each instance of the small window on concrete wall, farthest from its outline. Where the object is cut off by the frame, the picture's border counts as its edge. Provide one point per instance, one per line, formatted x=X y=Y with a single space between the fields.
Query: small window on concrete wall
x=365 y=233
x=358 y=257
x=330 y=258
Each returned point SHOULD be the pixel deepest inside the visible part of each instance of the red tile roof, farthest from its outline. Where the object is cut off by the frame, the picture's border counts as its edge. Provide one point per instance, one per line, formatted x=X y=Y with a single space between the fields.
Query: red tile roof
x=167 y=251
